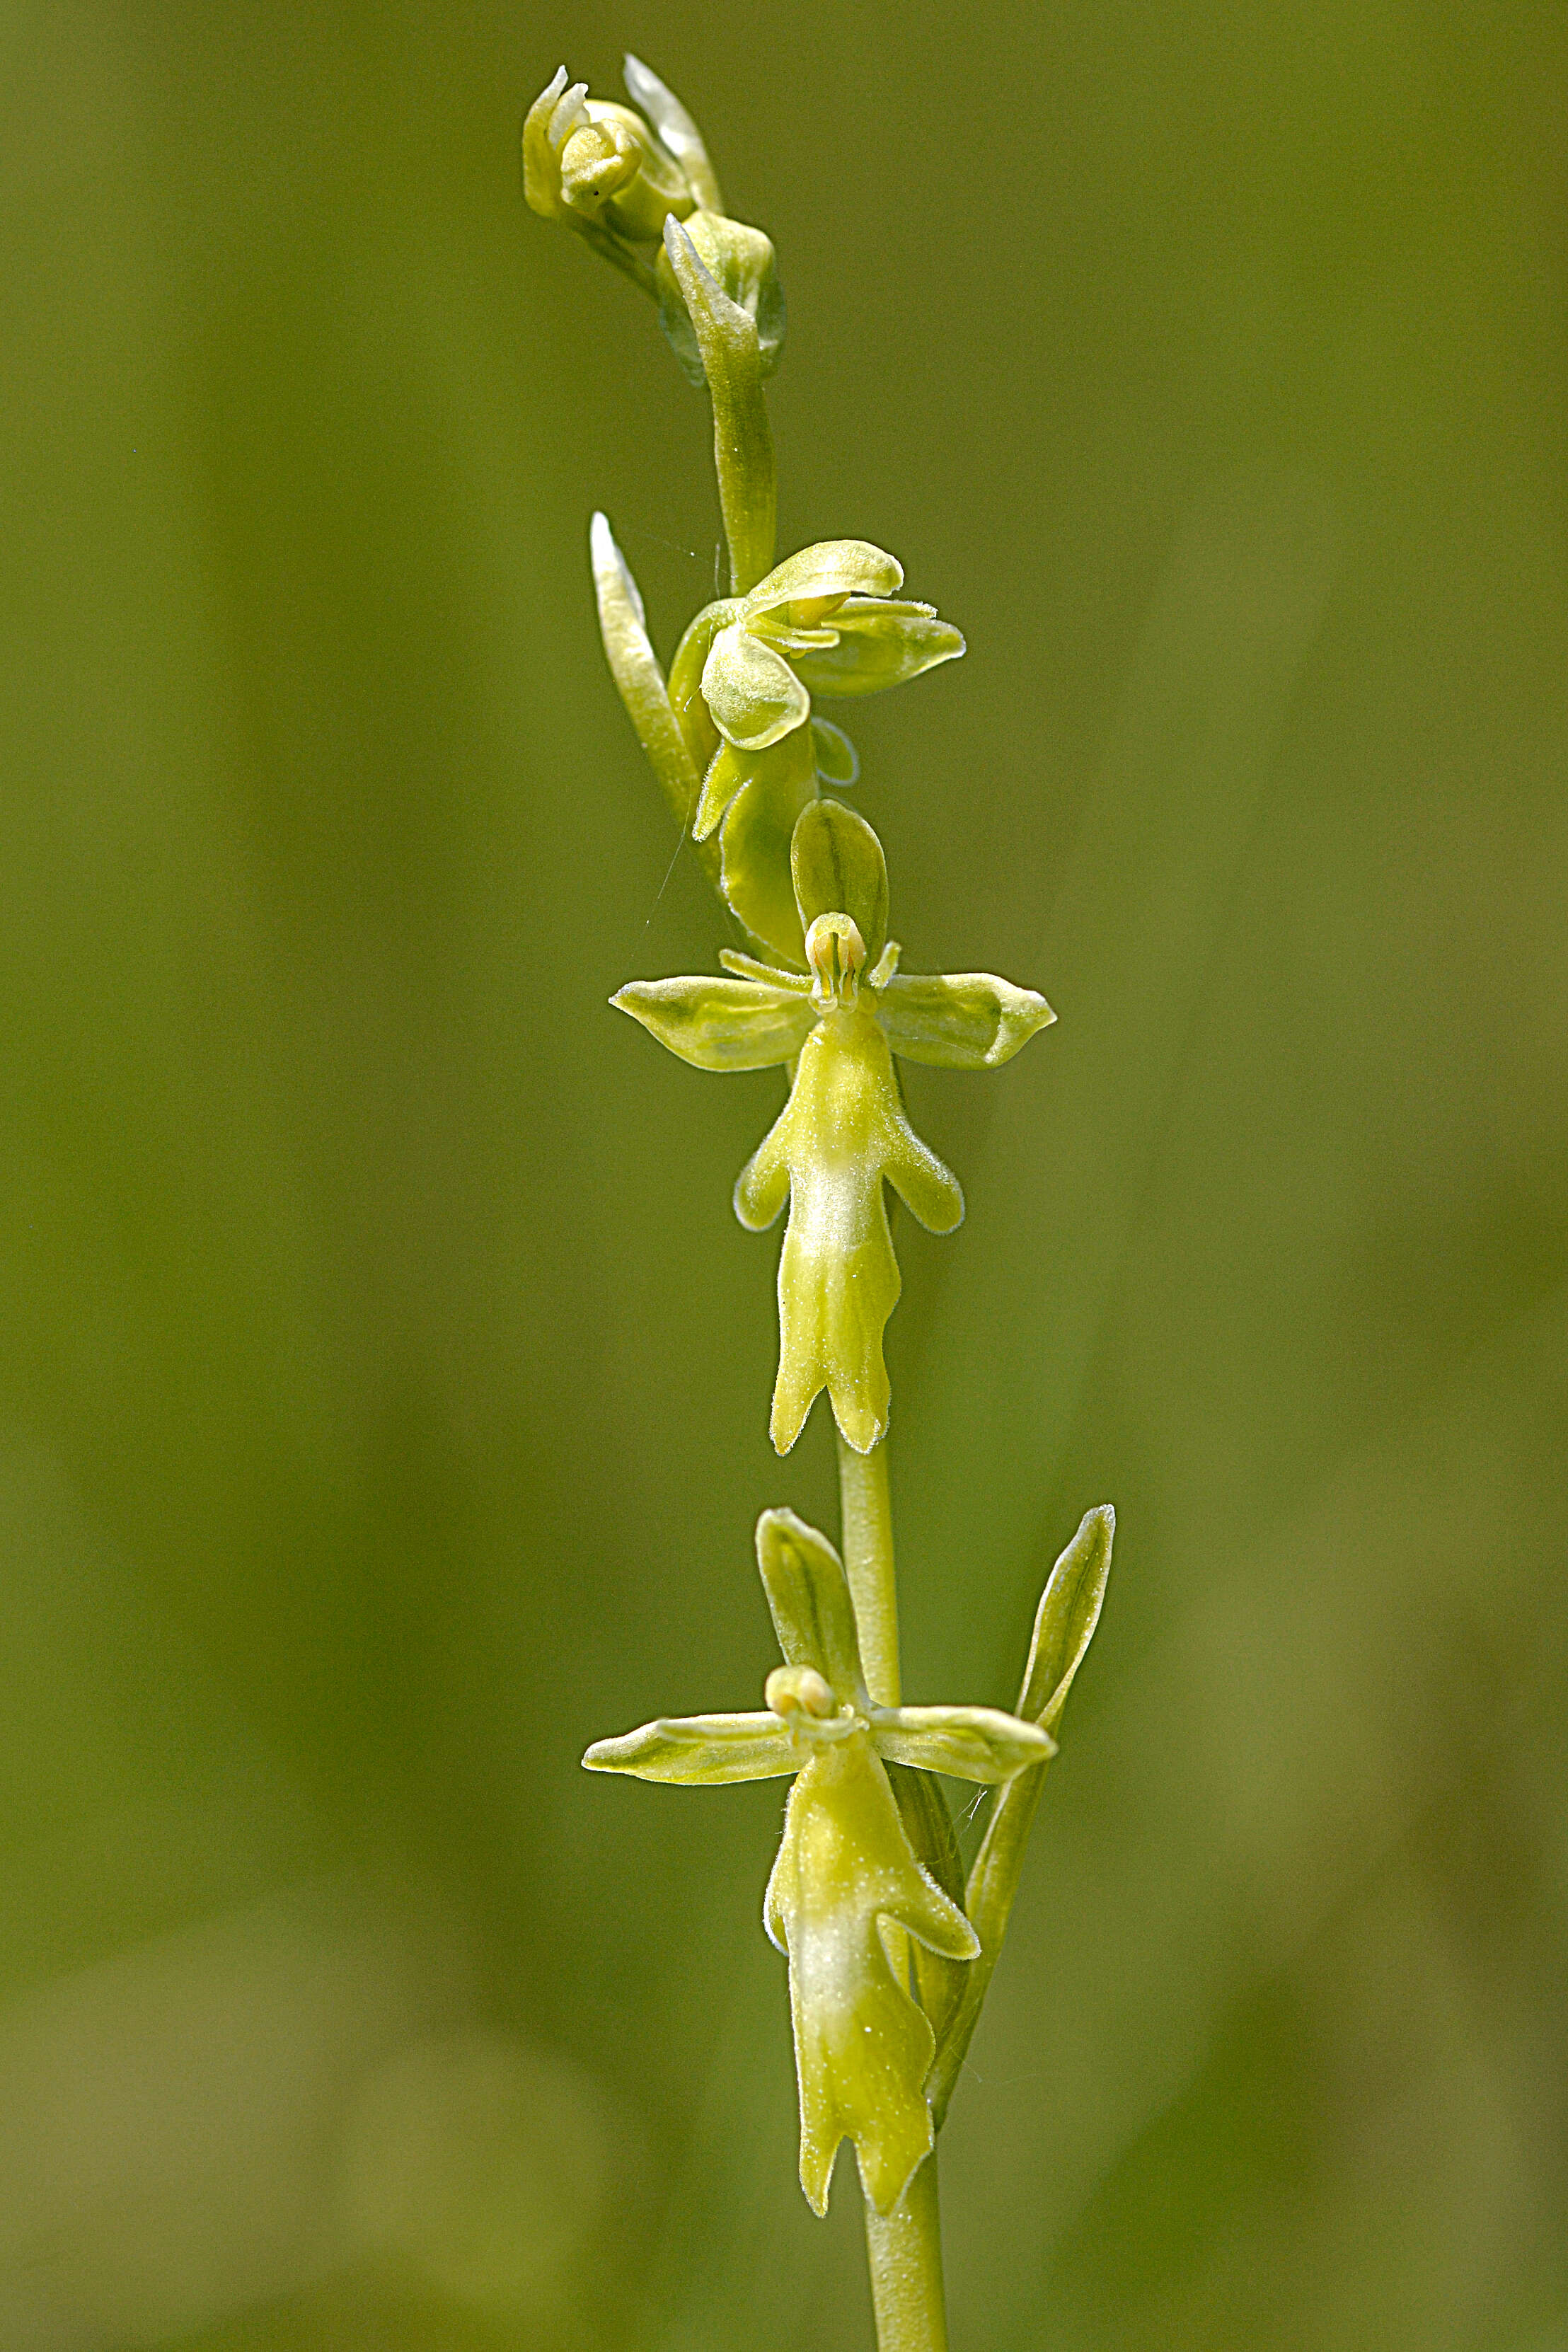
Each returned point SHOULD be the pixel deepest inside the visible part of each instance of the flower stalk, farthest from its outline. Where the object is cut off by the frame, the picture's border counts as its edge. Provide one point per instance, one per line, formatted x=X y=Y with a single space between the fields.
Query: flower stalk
x=891 y=1948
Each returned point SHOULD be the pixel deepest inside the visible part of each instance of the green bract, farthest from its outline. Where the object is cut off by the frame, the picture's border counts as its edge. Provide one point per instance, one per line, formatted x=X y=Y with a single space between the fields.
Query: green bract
x=846 y=1871
x=741 y=264
x=843 y=1135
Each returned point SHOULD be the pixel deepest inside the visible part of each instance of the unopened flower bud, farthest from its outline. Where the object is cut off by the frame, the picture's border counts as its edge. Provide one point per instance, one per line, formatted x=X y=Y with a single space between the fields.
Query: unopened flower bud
x=597 y=167
x=613 y=170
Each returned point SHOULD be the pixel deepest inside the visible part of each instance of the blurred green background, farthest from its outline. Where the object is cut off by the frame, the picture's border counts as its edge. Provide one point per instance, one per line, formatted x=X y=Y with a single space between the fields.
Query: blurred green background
x=383 y=1374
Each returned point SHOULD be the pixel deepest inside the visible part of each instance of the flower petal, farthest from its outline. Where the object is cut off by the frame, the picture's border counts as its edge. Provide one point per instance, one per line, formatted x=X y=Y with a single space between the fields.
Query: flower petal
x=702 y=1750
x=862 y=2047
x=761 y=1188
x=959 y=1020
x=923 y=1183
x=751 y=691
x=838 y=761
x=834 y=567
x=969 y=1743
x=750 y=968
x=838 y=1283
x=842 y=1132
x=878 y=646
x=808 y=1596
x=726 y=772
x=719 y=1024
x=676 y=129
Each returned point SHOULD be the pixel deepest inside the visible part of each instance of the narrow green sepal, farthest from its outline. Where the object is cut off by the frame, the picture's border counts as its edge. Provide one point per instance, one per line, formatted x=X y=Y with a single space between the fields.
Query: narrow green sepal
x=879 y=645
x=959 y=1020
x=839 y=868
x=691 y=713
x=700 y=1750
x=1068 y=1614
x=968 y=1743
x=676 y=129
x=742 y=265
x=719 y=1024
x=808 y=1599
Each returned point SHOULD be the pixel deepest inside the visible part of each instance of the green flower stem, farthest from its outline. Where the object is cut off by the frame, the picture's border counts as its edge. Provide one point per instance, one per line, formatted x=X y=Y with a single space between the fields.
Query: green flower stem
x=742 y=440
x=903 y=2250
x=866 y=1516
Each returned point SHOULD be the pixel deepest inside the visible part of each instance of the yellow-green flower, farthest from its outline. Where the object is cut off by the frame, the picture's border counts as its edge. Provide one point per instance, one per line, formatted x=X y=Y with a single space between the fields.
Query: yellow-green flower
x=843 y=1135
x=825 y=622
x=824 y=617
x=845 y=1873
x=599 y=168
